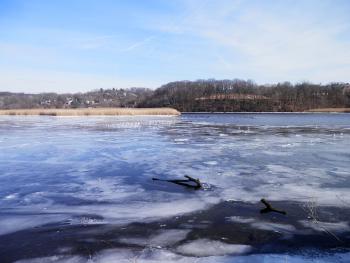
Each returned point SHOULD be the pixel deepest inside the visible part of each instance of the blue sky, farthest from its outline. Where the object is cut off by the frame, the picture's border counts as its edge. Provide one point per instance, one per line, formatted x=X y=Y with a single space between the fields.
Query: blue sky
x=80 y=45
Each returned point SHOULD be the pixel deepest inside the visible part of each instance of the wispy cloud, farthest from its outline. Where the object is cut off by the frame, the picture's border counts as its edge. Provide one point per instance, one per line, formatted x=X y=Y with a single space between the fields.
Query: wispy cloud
x=138 y=44
x=274 y=42
x=95 y=42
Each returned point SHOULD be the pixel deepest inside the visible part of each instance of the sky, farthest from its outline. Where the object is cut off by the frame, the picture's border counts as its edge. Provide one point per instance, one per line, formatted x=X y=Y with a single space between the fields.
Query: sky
x=81 y=45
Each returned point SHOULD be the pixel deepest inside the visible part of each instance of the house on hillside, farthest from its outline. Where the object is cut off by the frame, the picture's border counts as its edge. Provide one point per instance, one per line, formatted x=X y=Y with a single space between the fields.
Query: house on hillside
x=233 y=96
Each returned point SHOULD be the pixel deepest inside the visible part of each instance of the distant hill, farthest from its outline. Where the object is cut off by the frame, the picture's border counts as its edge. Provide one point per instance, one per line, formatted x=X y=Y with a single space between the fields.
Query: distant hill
x=96 y=99
x=196 y=96
x=240 y=95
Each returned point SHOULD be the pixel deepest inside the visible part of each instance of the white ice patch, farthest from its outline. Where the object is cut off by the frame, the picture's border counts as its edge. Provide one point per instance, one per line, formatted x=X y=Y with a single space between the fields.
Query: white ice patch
x=10 y=224
x=273 y=227
x=276 y=153
x=240 y=219
x=180 y=140
x=326 y=226
x=211 y=163
x=206 y=247
x=85 y=220
x=161 y=239
x=263 y=225
x=55 y=259
x=11 y=196
x=169 y=237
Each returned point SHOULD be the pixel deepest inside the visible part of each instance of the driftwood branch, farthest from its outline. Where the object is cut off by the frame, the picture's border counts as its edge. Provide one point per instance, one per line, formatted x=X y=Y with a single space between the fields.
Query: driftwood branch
x=269 y=208
x=189 y=182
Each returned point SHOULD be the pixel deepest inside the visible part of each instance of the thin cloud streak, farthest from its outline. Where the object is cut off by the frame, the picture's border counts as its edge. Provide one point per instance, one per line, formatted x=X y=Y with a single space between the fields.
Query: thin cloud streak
x=138 y=44
x=273 y=46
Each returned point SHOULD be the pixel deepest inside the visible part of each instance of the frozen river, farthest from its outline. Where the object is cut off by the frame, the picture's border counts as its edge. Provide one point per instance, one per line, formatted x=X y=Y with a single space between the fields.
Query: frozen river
x=80 y=189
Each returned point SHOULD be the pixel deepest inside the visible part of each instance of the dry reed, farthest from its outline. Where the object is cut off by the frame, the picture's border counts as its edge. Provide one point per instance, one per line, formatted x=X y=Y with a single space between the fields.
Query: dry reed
x=311 y=209
x=330 y=110
x=92 y=112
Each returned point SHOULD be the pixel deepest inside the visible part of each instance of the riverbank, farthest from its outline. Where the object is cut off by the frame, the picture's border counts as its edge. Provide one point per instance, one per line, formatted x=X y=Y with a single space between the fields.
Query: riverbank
x=347 y=110
x=92 y=112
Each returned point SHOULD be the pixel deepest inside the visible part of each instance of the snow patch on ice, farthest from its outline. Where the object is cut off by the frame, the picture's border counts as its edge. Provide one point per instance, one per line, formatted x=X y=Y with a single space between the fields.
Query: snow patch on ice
x=206 y=247
x=161 y=239
x=274 y=227
x=11 y=196
x=329 y=226
x=10 y=224
x=241 y=219
x=55 y=259
x=263 y=225
x=211 y=163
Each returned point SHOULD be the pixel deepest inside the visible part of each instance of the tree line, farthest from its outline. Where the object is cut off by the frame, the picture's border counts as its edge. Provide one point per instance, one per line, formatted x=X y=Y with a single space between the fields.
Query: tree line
x=196 y=96
x=95 y=99
x=240 y=95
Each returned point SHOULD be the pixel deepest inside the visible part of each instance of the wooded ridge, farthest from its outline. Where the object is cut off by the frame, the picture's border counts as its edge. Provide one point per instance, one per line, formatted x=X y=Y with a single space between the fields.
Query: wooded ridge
x=196 y=96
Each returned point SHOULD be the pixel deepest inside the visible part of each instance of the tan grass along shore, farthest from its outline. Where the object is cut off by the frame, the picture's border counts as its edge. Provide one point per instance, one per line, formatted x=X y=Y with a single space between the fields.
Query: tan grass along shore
x=330 y=110
x=92 y=112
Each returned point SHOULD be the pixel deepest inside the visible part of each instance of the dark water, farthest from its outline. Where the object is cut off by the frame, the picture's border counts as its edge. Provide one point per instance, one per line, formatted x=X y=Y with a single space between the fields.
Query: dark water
x=81 y=190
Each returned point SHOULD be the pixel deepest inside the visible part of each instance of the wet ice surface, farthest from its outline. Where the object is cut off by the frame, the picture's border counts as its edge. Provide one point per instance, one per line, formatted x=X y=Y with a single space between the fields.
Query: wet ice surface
x=79 y=189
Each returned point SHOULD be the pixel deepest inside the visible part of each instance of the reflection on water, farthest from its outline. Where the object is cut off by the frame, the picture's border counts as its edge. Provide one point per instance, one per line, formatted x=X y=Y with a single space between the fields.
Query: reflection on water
x=78 y=188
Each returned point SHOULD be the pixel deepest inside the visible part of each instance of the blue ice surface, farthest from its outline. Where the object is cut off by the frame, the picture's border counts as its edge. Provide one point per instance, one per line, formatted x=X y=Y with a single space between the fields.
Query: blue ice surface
x=58 y=168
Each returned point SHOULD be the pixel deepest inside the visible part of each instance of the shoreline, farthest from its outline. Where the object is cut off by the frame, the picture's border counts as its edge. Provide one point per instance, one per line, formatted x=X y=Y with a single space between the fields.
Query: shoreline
x=265 y=112
x=92 y=112
x=330 y=110
x=145 y=112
